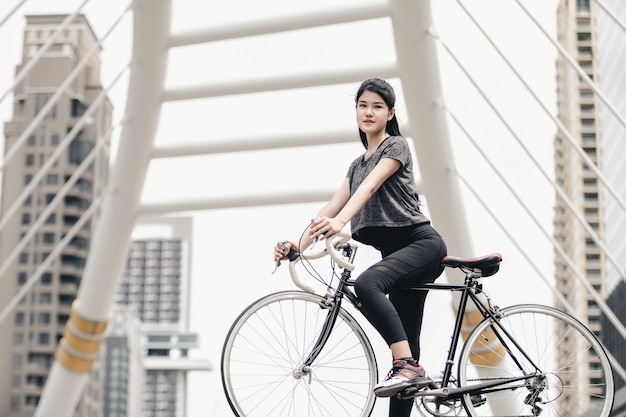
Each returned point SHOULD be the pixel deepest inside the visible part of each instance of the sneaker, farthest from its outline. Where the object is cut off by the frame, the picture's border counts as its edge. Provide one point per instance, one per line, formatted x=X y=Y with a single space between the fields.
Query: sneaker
x=401 y=376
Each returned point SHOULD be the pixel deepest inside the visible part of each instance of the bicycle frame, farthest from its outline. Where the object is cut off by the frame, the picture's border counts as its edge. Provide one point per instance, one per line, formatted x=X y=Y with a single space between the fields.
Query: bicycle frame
x=311 y=335
x=469 y=290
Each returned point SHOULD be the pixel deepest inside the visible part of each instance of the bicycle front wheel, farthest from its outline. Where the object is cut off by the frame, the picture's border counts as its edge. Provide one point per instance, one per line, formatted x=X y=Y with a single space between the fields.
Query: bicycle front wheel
x=560 y=367
x=263 y=373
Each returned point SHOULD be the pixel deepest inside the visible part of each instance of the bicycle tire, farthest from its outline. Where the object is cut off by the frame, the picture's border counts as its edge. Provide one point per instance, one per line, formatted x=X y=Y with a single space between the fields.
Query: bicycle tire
x=264 y=350
x=578 y=382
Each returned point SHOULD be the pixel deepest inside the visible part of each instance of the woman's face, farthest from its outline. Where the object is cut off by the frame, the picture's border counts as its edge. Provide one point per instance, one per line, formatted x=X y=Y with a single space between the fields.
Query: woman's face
x=372 y=113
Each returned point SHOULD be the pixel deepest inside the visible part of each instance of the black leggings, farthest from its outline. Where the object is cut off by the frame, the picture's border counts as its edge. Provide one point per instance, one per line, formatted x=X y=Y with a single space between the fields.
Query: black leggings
x=399 y=317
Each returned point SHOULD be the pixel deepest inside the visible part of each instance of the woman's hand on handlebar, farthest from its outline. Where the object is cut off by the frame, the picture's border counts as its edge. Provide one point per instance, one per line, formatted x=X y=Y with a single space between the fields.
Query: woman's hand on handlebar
x=325 y=226
x=282 y=249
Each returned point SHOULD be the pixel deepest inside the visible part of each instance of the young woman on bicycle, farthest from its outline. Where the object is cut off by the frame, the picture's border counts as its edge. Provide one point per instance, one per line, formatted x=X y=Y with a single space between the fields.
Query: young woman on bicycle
x=380 y=200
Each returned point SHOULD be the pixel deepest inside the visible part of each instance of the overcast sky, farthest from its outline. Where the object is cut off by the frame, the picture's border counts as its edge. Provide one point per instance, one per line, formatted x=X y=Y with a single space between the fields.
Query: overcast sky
x=231 y=261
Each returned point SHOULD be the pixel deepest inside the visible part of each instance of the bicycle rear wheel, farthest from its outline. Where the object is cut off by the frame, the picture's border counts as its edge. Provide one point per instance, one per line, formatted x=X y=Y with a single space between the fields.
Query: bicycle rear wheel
x=573 y=378
x=262 y=361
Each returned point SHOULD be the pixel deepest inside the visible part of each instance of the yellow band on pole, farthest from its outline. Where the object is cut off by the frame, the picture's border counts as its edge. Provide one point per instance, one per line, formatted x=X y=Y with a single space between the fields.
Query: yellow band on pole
x=79 y=346
x=487 y=349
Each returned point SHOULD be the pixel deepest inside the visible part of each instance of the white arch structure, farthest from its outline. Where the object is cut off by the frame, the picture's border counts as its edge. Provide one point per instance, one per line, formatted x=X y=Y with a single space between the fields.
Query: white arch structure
x=152 y=41
x=416 y=66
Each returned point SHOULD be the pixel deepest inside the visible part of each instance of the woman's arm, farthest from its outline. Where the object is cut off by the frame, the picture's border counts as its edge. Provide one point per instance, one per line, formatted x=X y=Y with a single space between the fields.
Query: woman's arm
x=334 y=205
x=334 y=222
x=333 y=217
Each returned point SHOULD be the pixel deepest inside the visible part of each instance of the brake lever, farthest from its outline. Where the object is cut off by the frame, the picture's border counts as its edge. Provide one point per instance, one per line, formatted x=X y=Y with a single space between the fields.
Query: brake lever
x=292 y=255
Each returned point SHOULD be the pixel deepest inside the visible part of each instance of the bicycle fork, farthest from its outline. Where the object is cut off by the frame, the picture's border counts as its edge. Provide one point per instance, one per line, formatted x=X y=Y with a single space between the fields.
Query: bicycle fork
x=333 y=304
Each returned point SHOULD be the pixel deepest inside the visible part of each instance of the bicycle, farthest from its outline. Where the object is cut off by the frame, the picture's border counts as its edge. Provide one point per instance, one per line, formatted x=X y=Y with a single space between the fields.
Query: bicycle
x=298 y=353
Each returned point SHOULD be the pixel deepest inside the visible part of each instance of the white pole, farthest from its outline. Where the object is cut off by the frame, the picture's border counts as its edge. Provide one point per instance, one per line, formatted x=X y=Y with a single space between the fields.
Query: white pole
x=86 y=327
x=418 y=66
x=419 y=72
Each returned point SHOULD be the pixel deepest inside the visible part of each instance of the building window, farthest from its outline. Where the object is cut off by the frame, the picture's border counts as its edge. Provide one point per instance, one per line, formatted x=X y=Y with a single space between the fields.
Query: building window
x=29 y=160
x=78 y=242
x=584 y=36
x=47 y=237
x=15 y=402
x=32 y=140
x=43 y=338
x=54 y=140
x=21 y=278
x=27 y=178
x=52 y=219
x=32 y=401
x=43 y=318
x=593 y=273
x=20 y=318
x=78 y=108
x=25 y=218
x=46 y=278
x=17 y=361
x=582 y=5
x=78 y=151
x=589 y=137
x=590 y=151
x=40 y=102
x=23 y=258
x=587 y=108
x=45 y=298
x=52 y=179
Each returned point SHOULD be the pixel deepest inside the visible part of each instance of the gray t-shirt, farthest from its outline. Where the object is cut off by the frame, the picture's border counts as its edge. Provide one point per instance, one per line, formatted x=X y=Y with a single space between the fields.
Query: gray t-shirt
x=396 y=203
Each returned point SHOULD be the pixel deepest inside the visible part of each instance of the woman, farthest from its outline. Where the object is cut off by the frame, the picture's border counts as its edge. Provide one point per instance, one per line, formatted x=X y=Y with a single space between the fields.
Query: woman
x=380 y=200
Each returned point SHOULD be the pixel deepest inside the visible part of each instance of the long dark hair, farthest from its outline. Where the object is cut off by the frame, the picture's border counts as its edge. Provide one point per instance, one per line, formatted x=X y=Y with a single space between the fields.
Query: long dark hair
x=385 y=90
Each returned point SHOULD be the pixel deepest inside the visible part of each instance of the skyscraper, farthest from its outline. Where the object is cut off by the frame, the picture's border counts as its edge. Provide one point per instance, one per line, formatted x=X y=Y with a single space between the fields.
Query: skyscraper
x=52 y=176
x=155 y=285
x=578 y=111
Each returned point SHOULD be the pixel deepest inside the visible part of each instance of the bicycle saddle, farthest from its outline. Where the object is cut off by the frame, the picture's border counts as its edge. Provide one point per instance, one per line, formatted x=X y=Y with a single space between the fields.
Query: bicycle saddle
x=485 y=265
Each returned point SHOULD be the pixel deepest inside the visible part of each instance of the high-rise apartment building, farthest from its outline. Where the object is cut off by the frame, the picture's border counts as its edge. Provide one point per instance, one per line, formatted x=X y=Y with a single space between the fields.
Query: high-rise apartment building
x=45 y=194
x=155 y=286
x=118 y=374
x=578 y=111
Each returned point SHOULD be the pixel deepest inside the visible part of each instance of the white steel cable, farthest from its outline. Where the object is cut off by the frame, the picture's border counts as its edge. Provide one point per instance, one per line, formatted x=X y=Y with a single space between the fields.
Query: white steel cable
x=576 y=67
x=614 y=362
x=31 y=62
x=60 y=91
x=554 y=119
x=554 y=243
x=59 y=149
x=547 y=177
x=601 y=303
x=11 y=13
x=611 y=14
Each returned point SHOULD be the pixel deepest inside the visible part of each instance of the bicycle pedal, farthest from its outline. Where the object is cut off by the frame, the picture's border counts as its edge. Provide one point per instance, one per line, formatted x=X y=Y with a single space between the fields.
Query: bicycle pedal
x=411 y=391
x=408 y=393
